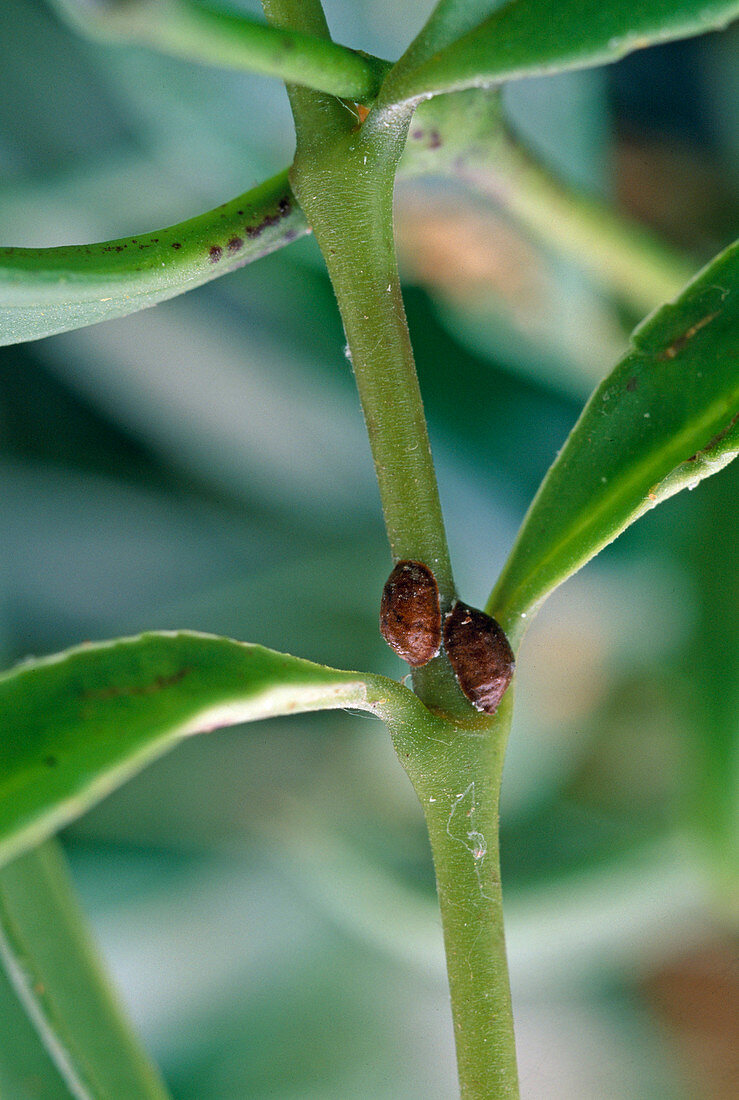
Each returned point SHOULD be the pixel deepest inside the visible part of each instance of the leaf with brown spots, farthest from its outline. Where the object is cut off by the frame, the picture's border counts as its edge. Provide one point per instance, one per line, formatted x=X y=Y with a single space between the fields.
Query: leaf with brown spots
x=75 y=726
x=49 y=290
x=665 y=418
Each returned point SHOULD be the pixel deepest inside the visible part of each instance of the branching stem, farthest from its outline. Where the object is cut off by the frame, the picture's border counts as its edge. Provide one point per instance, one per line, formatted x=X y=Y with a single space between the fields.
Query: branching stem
x=198 y=32
x=343 y=177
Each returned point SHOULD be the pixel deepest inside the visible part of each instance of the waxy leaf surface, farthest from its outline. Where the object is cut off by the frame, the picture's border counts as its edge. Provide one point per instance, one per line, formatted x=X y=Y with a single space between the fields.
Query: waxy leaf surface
x=667 y=416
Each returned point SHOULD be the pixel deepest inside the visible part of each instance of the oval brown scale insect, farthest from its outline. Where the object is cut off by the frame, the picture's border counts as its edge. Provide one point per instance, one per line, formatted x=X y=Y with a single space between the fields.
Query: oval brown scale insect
x=480 y=655
x=410 y=616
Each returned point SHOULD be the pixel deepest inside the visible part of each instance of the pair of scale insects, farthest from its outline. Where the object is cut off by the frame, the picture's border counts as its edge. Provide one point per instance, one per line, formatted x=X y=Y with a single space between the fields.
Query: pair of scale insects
x=476 y=645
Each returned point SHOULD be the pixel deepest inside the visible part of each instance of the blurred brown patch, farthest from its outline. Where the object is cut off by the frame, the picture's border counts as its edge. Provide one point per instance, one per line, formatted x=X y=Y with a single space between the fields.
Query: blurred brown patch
x=670 y=187
x=467 y=254
x=697 y=998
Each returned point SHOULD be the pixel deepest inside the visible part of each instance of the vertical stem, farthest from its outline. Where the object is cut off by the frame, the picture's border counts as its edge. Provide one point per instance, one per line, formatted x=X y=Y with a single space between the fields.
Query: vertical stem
x=457 y=777
x=352 y=221
x=343 y=177
x=458 y=785
x=471 y=906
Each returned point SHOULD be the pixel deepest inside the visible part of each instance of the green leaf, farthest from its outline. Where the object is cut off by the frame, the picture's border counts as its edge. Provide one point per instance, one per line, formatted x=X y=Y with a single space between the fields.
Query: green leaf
x=75 y=726
x=49 y=290
x=449 y=21
x=662 y=420
x=26 y=1069
x=480 y=42
x=84 y=1047
x=200 y=33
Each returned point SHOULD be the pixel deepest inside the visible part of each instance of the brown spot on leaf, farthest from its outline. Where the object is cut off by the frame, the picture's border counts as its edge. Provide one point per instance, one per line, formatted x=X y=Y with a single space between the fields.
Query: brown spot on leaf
x=235 y=244
x=115 y=691
x=283 y=206
x=215 y=252
x=434 y=140
x=716 y=439
x=480 y=655
x=176 y=245
x=677 y=345
x=410 y=616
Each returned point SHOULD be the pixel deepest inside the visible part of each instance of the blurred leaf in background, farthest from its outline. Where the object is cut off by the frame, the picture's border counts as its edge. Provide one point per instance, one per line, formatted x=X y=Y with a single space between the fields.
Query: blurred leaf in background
x=268 y=916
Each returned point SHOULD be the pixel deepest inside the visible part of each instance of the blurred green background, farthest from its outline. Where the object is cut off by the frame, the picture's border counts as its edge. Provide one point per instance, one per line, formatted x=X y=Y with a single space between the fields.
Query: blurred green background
x=264 y=896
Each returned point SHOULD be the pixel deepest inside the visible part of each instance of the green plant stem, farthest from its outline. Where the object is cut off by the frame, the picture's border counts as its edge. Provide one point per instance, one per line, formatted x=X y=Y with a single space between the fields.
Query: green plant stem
x=200 y=33
x=351 y=214
x=343 y=177
x=352 y=221
x=457 y=778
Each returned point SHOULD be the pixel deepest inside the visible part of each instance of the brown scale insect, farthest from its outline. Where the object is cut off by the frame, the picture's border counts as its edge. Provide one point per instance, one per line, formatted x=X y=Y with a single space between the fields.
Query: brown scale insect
x=480 y=655
x=410 y=616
